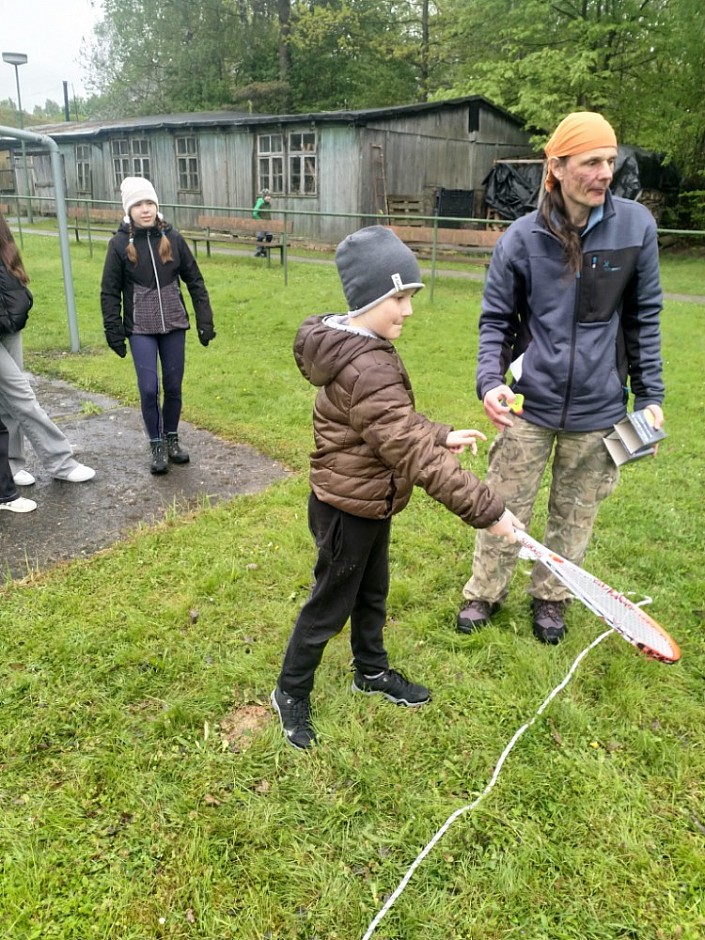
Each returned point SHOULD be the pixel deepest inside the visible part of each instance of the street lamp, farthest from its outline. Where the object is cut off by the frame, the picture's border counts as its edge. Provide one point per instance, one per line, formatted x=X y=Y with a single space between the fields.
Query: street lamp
x=17 y=59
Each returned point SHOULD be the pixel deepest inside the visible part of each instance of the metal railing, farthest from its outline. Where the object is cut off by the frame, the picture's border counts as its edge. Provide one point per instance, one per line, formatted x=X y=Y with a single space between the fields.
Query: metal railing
x=179 y=214
x=97 y=231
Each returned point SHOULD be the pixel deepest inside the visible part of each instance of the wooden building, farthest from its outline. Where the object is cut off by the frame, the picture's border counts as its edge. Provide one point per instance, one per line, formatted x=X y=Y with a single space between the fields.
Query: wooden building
x=345 y=165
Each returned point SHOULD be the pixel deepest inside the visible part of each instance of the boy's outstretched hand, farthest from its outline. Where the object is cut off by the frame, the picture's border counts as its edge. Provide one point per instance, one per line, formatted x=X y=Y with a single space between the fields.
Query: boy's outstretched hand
x=505 y=525
x=457 y=441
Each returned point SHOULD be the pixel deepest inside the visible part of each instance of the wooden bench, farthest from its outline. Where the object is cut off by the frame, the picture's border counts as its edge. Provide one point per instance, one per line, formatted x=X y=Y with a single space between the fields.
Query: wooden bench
x=476 y=245
x=83 y=218
x=232 y=229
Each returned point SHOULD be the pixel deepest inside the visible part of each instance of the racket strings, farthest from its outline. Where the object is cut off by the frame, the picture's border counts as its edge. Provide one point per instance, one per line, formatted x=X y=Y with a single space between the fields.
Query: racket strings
x=617 y=611
x=629 y=620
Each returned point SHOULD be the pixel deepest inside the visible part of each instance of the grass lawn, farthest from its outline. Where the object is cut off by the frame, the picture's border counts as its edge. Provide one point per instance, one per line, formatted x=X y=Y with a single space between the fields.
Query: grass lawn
x=146 y=790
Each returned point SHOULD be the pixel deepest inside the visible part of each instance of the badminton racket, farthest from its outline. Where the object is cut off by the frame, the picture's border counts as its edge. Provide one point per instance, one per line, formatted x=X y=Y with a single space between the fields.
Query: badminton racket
x=623 y=615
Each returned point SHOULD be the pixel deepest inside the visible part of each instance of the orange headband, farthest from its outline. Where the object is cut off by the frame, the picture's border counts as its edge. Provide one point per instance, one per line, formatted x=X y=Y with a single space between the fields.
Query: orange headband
x=580 y=131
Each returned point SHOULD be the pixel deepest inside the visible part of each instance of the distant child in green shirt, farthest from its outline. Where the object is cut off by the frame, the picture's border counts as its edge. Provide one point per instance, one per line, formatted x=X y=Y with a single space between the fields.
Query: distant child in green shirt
x=261 y=213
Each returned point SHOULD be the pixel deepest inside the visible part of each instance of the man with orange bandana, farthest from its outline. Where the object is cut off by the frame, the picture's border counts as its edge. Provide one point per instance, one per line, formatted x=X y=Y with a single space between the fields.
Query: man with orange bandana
x=571 y=309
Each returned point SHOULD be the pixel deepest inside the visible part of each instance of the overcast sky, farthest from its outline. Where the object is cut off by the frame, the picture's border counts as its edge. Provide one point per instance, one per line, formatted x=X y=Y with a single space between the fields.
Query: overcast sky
x=50 y=33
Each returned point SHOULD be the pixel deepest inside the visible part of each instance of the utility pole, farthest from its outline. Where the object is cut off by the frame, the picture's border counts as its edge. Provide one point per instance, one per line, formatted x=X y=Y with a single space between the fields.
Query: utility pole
x=17 y=59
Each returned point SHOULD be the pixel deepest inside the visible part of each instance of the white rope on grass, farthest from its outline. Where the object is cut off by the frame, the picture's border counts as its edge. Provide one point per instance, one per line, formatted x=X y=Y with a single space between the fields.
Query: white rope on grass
x=470 y=806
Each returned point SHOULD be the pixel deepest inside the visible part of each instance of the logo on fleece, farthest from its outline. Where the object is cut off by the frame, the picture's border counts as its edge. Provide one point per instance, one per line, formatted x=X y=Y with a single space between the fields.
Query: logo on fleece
x=397 y=281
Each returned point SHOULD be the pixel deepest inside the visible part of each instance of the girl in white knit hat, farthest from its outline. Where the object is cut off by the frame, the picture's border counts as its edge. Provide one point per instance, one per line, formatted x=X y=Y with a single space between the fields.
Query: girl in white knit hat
x=142 y=304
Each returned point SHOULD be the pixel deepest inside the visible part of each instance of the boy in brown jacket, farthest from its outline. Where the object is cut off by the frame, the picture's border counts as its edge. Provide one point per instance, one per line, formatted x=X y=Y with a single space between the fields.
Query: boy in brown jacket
x=372 y=447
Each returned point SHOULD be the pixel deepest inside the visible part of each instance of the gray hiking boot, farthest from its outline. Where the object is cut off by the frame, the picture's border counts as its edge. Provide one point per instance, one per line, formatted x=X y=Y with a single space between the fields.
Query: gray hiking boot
x=476 y=614
x=549 y=626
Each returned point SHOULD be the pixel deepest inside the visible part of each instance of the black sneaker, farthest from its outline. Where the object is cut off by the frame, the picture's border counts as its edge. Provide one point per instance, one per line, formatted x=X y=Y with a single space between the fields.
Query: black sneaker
x=295 y=716
x=394 y=686
x=549 y=626
x=476 y=614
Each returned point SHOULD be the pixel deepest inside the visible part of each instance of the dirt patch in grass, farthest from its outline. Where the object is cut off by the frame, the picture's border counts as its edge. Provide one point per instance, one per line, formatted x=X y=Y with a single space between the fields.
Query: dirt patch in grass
x=239 y=727
x=79 y=519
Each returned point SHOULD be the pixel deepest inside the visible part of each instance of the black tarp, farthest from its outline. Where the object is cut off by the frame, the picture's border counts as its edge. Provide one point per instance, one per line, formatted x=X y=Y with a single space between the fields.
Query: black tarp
x=637 y=169
x=454 y=203
x=512 y=188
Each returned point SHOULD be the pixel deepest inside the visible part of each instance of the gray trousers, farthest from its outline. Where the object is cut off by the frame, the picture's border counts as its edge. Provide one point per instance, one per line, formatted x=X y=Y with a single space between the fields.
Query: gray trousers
x=582 y=475
x=23 y=415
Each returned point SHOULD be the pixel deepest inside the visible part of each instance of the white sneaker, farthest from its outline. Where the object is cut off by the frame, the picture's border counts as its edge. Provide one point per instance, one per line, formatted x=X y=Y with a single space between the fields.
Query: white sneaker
x=19 y=505
x=23 y=478
x=79 y=474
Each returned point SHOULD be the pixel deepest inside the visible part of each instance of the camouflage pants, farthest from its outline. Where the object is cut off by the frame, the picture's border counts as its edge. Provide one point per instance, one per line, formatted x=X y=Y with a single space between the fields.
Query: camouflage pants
x=582 y=475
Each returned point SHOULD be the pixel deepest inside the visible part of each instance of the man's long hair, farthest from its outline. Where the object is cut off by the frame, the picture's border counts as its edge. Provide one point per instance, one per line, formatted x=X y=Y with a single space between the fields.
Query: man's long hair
x=556 y=220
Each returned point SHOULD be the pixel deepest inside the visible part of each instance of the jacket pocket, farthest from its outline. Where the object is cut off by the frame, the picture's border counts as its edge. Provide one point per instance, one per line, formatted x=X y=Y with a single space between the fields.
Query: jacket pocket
x=330 y=542
x=603 y=281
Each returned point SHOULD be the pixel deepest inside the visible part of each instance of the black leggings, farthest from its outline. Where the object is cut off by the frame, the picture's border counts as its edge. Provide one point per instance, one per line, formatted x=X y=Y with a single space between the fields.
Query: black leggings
x=351 y=582
x=170 y=350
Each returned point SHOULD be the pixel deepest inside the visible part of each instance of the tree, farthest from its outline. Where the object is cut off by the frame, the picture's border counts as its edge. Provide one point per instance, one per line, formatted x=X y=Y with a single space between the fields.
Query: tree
x=640 y=62
x=675 y=89
x=156 y=56
x=544 y=58
x=10 y=116
x=52 y=110
x=355 y=54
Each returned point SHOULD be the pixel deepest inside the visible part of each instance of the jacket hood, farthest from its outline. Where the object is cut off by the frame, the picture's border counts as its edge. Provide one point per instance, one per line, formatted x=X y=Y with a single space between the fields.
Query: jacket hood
x=322 y=351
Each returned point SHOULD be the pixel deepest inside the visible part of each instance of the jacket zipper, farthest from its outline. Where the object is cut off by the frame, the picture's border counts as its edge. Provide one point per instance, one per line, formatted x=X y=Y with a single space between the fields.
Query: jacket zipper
x=571 y=364
x=156 y=278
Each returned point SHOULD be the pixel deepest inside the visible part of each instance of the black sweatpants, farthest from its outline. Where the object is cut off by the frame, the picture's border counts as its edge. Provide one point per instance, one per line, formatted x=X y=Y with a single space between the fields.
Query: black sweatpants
x=351 y=582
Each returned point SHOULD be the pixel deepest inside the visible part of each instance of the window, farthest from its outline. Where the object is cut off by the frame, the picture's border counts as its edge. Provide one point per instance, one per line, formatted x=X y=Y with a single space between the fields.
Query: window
x=83 y=169
x=130 y=158
x=187 y=164
x=121 y=163
x=140 y=157
x=297 y=153
x=270 y=166
x=302 y=164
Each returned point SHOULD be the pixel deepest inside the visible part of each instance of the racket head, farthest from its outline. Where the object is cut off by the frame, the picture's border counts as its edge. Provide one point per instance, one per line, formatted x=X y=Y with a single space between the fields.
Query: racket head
x=634 y=624
x=648 y=636
x=623 y=615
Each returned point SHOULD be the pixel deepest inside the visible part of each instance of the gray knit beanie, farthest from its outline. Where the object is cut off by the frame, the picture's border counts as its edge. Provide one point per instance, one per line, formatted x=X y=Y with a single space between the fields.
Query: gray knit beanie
x=374 y=264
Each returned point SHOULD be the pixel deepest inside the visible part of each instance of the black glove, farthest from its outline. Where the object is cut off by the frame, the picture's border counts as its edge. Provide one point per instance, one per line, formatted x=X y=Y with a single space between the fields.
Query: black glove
x=206 y=334
x=121 y=350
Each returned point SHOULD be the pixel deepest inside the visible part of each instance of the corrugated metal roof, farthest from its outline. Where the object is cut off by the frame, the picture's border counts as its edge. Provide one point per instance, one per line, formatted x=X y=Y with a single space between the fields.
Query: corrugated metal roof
x=96 y=128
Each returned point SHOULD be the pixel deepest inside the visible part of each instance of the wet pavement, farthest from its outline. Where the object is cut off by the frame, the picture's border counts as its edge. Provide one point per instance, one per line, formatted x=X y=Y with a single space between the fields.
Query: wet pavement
x=79 y=519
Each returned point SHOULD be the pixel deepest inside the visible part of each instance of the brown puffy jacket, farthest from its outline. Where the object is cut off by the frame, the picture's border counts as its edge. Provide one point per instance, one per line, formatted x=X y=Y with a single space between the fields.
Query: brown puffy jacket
x=372 y=447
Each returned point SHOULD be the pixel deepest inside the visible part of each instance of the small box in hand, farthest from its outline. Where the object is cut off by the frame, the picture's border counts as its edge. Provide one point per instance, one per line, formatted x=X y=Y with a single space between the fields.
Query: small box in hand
x=633 y=437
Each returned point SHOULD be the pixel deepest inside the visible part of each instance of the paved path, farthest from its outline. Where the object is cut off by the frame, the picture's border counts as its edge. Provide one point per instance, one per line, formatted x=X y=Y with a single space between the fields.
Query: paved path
x=79 y=519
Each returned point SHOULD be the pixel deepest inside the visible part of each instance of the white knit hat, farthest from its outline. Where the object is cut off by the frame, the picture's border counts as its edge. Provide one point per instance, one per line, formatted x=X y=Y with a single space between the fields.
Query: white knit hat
x=374 y=264
x=134 y=189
